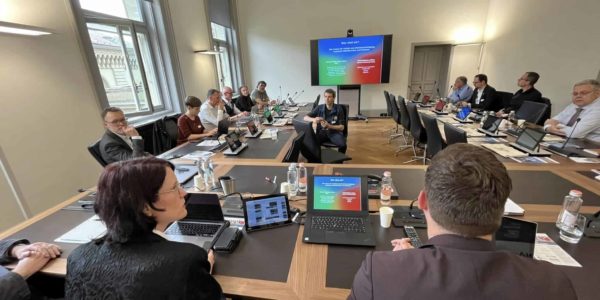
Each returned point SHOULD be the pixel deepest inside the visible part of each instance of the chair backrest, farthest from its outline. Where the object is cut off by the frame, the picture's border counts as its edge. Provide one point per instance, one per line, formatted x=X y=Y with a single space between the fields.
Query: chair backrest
x=404 y=117
x=310 y=145
x=170 y=131
x=395 y=111
x=386 y=95
x=416 y=128
x=435 y=143
x=294 y=151
x=531 y=112
x=316 y=103
x=346 y=108
x=548 y=113
x=502 y=100
x=94 y=150
x=454 y=134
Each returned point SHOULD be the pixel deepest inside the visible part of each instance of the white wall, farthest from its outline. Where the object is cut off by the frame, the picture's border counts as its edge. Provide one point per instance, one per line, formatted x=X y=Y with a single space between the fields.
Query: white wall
x=558 y=39
x=275 y=36
x=464 y=61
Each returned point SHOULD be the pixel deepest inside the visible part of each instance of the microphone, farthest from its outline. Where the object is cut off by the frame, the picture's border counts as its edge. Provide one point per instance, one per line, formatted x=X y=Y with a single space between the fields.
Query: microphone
x=280 y=93
x=571 y=134
x=299 y=94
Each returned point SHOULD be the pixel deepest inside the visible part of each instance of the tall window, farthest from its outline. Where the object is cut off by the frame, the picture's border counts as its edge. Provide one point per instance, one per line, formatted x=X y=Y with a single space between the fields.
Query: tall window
x=224 y=37
x=129 y=54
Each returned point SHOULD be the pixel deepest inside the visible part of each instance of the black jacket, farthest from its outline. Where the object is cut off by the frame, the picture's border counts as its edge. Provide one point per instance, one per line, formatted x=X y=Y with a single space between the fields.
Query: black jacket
x=519 y=97
x=243 y=103
x=488 y=98
x=148 y=267
x=113 y=148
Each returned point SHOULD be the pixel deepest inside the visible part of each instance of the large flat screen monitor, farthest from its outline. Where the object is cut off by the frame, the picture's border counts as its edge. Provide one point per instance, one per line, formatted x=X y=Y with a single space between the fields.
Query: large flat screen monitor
x=351 y=60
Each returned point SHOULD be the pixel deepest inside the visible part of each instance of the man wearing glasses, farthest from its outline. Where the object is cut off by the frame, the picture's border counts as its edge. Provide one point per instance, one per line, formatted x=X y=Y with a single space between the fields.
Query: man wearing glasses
x=527 y=93
x=584 y=109
x=120 y=141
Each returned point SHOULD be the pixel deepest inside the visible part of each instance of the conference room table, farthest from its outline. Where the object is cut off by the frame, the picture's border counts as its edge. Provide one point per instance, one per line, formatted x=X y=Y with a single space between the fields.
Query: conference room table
x=277 y=264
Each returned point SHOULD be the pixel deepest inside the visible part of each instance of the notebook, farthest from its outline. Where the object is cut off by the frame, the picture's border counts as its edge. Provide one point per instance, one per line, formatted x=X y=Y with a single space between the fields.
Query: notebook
x=338 y=211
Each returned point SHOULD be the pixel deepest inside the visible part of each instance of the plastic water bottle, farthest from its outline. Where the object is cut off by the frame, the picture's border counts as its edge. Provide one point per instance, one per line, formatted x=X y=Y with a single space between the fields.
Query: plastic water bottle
x=302 y=178
x=483 y=118
x=292 y=179
x=570 y=210
x=386 y=188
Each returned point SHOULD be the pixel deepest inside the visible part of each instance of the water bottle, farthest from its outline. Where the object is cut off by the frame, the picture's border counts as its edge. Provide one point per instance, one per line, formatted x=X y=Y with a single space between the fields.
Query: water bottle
x=292 y=179
x=386 y=188
x=209 y=175
x=302 y=178
x=570 y=210
x=512 y=118
x=483 y=118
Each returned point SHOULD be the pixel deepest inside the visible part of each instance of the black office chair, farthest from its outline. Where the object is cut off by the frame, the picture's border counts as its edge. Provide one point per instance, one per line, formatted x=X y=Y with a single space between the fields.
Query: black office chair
x=316 y=103
x=310 y=146
x=396 y=116
x=454 y=134
x=346 y=108
x=417 y=131
x=386 y=95
x=404 y=121
x=94 y=150
x=169 y=132
x=294 y=151
x=435 y=143
x=548 y=113
x=531 y=112
x=502 y=100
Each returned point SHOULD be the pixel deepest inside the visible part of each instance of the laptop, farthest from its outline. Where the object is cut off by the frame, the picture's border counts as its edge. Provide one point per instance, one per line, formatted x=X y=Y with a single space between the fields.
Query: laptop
x=439 y=107
x=253 y=131
x=490 y=127
x=202 y=225
x=516 y=236
x=338 y=211
x=235 y=145
x=463 y=115
x=528 y=141
x=266 y=212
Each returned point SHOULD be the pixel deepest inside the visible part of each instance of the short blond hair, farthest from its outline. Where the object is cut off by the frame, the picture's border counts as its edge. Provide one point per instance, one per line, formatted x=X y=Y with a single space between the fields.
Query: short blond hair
x=593 y=82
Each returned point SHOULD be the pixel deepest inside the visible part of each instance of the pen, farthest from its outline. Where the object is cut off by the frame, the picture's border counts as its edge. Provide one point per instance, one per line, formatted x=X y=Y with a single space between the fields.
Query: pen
x=274 y=179
x=295 y=217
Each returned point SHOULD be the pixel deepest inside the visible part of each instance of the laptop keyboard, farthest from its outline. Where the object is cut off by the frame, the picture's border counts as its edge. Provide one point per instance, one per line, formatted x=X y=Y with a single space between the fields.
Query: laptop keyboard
x=342 y=224
x=194 y=229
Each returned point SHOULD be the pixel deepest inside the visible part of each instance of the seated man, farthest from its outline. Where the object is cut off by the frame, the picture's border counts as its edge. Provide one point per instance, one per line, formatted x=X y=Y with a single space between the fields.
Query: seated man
x=585 y=108
x=31 y=259
x=259 y=95
x=229 y=105
x=213 y=110
x=329 y=118
x=463 y=202
x=526 y=93
x=461 y=91
x=120 y=141
x=484 y=94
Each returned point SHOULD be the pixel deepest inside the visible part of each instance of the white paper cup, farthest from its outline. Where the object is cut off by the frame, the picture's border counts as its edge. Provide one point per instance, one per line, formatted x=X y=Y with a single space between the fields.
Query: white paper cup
x=284 y=188
x=199 y=182
x=520 y=122
x=385 y=216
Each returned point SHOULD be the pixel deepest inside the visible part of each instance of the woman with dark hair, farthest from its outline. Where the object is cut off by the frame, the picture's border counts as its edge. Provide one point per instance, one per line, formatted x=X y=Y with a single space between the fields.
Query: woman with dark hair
x=189 y=125
x=136 y=200
x=243 y=102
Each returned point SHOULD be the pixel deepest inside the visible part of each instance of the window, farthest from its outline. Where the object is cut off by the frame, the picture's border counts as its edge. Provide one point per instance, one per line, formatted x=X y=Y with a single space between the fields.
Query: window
x=223 y=27
x=128 y=54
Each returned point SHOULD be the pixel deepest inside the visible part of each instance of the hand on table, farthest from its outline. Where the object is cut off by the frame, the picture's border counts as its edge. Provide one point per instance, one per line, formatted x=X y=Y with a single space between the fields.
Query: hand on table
x=45 y=249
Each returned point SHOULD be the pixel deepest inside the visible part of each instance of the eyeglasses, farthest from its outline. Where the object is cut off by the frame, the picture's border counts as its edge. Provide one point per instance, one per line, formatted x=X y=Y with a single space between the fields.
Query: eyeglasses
x=177 y=188
x=582 y=93
x=117 y=122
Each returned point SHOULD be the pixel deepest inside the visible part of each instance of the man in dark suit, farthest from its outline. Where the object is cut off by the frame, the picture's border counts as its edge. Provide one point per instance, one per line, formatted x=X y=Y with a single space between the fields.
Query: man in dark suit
x=484 y=95
x=463 y=201
x=120 y=141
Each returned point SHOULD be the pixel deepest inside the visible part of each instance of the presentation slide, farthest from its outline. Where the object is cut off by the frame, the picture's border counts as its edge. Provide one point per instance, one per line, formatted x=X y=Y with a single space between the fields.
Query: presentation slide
x=337 y=193
x=350 y=60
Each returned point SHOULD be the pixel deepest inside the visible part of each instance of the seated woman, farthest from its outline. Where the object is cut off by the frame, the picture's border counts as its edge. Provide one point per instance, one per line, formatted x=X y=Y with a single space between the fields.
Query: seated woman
x=136 y=200
x=244 y=102
x=190 y=127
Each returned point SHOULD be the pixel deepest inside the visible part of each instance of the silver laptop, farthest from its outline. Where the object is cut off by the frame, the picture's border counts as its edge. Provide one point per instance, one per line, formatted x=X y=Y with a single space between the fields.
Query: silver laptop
x=202 y=225
x=235 y=145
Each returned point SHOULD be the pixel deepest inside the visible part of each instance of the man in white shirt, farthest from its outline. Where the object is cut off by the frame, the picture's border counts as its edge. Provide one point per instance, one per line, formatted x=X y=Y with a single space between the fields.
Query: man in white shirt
x=580 y=119
x=213 y=110
x=229 y=106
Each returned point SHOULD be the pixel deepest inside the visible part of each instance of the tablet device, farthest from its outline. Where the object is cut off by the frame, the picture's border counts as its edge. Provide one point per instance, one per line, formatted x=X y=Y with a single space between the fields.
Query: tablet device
x=266 y=212
x=517 y=236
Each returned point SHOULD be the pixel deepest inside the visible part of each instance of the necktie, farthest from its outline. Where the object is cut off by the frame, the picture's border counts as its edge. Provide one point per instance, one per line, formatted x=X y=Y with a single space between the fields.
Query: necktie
x=575 y=116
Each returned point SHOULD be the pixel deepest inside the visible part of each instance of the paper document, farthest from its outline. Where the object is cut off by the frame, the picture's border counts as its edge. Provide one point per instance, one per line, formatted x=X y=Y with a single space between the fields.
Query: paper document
x=546 y=249
x=534 y=160
x=585 y=160
x=196 y=155
x=512 y=209
x=85 y=232
x=208 y=143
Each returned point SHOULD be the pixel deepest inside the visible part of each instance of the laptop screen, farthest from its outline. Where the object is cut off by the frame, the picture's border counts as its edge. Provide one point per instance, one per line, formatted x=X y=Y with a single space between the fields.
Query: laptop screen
x=491 y=123
x=516 y=236
x=203 y=207
x=252 y=127
x=439 y=106
x=266 y=211
x=340 y=193
x=530 y=138
x=463 y=113
x=223 y=126
x=233 y=141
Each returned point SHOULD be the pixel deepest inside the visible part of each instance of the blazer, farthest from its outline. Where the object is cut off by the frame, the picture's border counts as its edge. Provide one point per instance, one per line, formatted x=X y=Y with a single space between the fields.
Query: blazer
x=488 y=97
x=148 y=267
x=454 y=267
x=113 y=148
x=519 y=97
x=12 y=285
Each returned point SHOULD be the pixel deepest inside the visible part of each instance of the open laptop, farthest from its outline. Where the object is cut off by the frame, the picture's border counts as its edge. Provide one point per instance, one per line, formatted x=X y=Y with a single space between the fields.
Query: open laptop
x=516 y=236
x=490 y=127
x=439 y=107
x=463 y=115
x=202 y=225
x=338 y=211
x=528 y=141
x=235 y=145
x=253 y=131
